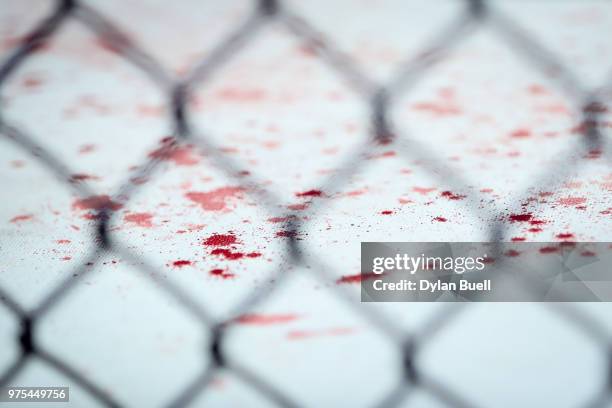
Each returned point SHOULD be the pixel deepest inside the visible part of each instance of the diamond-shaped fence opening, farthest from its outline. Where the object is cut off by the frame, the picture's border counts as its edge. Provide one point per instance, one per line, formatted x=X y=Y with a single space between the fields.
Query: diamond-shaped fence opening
x=187 y=139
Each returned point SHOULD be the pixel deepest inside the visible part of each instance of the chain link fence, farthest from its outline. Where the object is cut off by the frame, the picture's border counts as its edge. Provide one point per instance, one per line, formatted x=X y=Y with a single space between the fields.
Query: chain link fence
x=380 y=97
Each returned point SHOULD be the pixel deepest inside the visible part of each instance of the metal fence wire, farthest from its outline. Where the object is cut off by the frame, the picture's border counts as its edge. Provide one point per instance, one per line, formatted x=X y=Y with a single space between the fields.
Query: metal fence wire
x=379 y=97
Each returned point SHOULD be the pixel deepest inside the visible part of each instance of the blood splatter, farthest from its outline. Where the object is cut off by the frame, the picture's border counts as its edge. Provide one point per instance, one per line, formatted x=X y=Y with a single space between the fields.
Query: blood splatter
x=565 y=236
x=305 y=334
x=276 y=220
x=444 y=106
x=228 y=254
x=596 y=107
x=241 y=95
x=386 y=212
x=150 y=110
x=525 y=217
x=388 y=153
x=221 y=273
x=263 y=320
x=233 y=256
x=221 y=240
x=180 y=155
x=180 y=263
x=452 y=196
x=355 y=193
x=520 y=133
x=21 y=218
x=97 y=202
x=140 y=219
x=310 y=193
x=286 y=234
x=87 y=148
x=440 y=219
x=32 y=82
x=594 y=154
x=75 y=178
x=358 y=277
x=437 y=109
x=423 y=190
x=297 y=207
x=536 y=89
x=569 y=201
x=215 y=200
x=114 y=42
